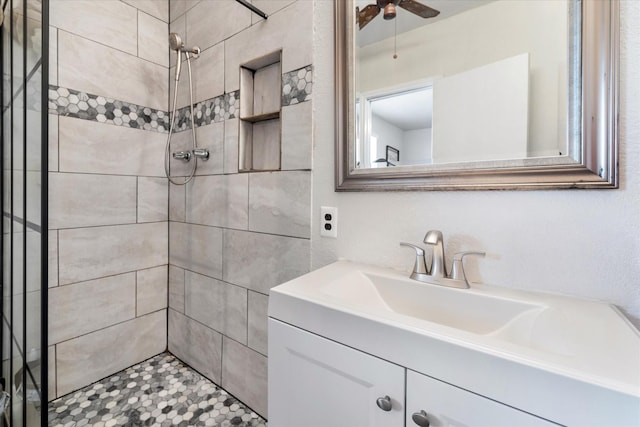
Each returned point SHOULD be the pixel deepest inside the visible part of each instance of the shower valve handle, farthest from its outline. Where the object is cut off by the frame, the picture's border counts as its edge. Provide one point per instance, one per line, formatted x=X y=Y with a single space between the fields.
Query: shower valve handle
x=182 y=155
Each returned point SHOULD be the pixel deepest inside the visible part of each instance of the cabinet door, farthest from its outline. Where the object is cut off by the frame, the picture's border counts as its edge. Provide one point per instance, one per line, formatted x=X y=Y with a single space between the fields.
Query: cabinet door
x=315 y=382
x=449 y=406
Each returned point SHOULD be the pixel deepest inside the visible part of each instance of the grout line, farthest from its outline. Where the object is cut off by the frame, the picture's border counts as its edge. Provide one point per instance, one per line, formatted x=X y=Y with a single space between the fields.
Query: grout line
x=133 y=319
x=109 y=276
x=137 y=200
x=55 y=361
x=247 y=318
x=124 y=224
x=109 y=47
x=184 y=291
x=138 y=33
x=57 y=258
x=135 y=296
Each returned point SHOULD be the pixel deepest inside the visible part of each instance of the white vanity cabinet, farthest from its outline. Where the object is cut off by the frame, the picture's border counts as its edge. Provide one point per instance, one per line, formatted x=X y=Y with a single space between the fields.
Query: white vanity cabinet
x=444 y=405
x=316 y=382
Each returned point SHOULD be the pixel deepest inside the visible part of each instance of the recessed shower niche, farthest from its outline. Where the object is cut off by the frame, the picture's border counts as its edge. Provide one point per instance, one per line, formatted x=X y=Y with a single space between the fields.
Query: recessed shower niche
x=260 y=104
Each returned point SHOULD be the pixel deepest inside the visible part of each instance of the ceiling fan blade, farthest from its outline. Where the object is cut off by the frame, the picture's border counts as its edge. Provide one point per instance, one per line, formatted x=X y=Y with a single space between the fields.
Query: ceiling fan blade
x=367 y=14
x=418 y=8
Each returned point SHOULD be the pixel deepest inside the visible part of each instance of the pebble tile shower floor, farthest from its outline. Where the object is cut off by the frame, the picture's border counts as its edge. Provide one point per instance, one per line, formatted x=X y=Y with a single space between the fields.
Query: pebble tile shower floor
x=161 y=391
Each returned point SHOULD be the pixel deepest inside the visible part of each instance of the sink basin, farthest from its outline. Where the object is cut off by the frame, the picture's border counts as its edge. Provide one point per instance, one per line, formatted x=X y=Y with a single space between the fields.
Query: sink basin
x=461 y=309
x=421 y=325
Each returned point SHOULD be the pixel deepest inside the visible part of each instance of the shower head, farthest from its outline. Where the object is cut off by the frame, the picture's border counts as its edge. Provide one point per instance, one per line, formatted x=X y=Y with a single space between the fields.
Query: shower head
x=175 y=42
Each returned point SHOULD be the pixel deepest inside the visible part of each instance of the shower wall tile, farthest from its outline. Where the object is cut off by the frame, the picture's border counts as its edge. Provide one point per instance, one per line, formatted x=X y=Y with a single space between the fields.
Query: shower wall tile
x=153 y=44
x=297 y=136
x=51 y=372
x=280 y=203
x=176 y=288
x=88 y=253
x=178 y=26
x=53 y=258
x=244 y=375
x=81 y=67
x=257 y=334
x=265 y=146
x=178 y=8
x=85 y=307
x=88 y=358
x=196 y=248
x=81 y=200
x=219 y=200
x=53 y=142
x=208 y=76
x=33 y=131
x=107 y=22
x=183 y=84
x=151 y=290
x=92 y=147
x=211 y=137
x=177 y=202
x=53 y=55
x=231 y=146
x=33 y=196
x=34 y=300
x=33 y=253
x=201 y=32
x=218 y=305
x=195 y=344
x=155 y=8
x=152 y=199
x=259 y=40
x=247 y=255
x=269 y=7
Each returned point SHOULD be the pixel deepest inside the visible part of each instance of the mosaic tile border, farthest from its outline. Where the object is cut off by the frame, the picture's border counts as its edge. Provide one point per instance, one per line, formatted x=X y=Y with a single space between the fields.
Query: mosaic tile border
x=160 y=391
x=212 y=110
x=83 y=105
x=297 y=87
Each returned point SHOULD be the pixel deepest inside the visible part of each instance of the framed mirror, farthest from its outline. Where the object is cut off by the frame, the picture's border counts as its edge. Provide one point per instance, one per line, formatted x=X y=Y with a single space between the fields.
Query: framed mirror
x=476 y=94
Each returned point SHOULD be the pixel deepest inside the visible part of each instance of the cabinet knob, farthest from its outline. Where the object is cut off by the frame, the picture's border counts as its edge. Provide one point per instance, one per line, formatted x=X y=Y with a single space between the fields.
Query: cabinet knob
x=420 y=418
x=384 y=403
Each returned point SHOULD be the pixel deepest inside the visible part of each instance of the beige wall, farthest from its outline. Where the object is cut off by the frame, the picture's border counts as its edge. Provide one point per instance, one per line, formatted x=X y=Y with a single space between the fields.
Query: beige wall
x=108 y=199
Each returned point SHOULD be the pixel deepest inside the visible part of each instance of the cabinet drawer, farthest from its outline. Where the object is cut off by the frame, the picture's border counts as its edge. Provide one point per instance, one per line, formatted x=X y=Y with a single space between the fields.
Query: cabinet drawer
x=450 y=406
x=315 y=382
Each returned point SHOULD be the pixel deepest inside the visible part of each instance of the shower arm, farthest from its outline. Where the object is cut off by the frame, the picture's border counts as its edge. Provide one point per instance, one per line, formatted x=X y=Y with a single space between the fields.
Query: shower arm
x=252 y=8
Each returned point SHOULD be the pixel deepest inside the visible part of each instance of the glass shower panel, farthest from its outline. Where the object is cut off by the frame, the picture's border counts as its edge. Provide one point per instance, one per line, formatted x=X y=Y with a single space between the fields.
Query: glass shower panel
x=24 y=223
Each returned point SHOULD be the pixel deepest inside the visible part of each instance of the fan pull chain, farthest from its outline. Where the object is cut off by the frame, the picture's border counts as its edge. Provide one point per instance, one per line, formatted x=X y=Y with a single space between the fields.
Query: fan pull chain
x=395 y=38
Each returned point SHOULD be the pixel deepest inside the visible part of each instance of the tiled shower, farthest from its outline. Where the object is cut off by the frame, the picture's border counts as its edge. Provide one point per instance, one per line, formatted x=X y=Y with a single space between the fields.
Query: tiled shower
x=138 y=266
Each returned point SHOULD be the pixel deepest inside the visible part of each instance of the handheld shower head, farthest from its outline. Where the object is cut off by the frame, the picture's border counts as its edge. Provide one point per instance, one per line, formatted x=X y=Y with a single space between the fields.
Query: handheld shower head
x=175 y=42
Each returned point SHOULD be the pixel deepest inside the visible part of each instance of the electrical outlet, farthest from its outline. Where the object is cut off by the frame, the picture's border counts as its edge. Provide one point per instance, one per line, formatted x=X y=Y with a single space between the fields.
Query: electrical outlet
x=329 y=222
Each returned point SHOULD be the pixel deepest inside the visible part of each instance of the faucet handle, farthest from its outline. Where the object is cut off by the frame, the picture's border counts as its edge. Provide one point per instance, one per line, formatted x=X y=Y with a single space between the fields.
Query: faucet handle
x=457 y=270
x=420 y=267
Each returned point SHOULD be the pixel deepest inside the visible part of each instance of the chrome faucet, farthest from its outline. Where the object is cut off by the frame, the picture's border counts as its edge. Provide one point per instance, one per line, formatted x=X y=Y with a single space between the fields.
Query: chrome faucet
x=434 y=238
x=437 y=273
